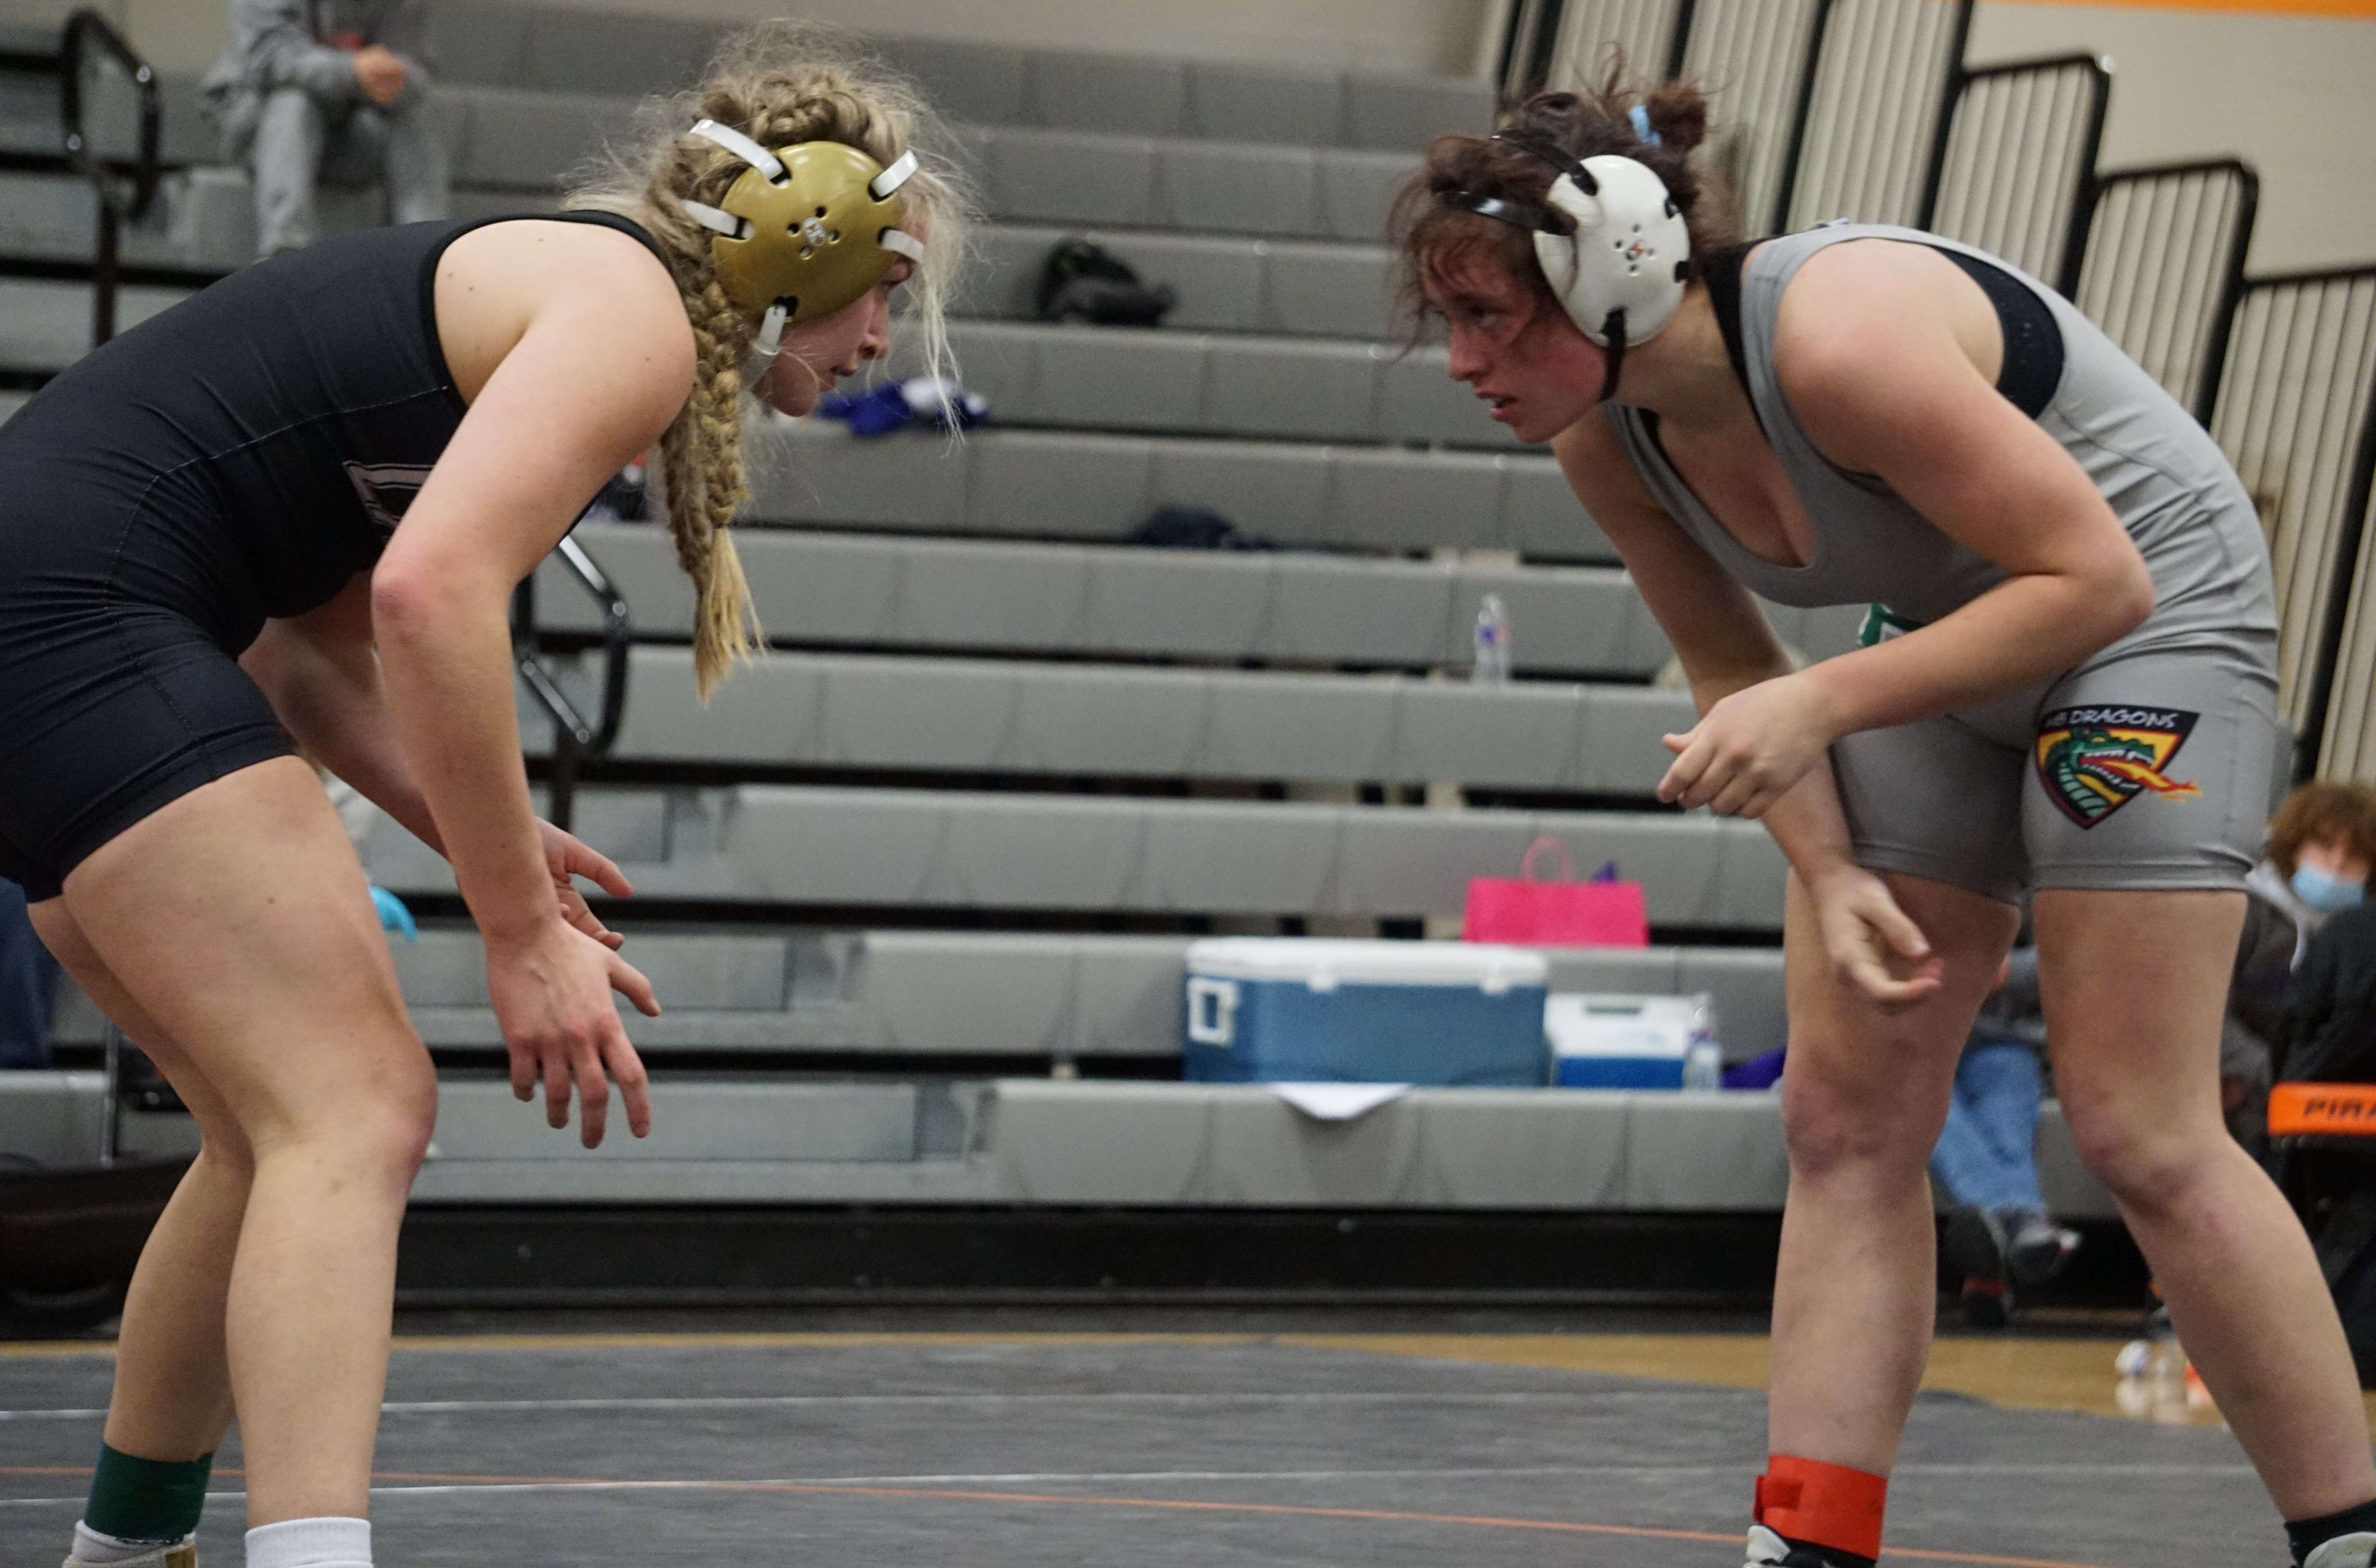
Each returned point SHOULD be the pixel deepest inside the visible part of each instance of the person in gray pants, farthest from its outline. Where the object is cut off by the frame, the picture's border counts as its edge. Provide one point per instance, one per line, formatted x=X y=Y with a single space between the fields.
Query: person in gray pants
x=332 y=90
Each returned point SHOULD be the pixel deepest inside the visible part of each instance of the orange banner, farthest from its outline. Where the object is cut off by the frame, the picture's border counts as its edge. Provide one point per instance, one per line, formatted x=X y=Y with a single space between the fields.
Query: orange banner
x=2300 y=1111
x=2365 y=9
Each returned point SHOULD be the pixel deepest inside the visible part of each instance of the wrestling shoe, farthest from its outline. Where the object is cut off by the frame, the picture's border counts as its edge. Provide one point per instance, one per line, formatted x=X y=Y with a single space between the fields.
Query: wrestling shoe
x=1974 y=1241
x=183 y=1553
x=2037 y=1248
x=1767 y=1549
x=1987 y=1303
x=2355 y=1550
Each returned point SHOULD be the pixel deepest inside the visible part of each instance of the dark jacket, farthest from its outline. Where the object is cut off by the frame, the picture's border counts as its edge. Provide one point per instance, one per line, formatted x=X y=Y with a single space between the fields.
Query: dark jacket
x=2330 y=1017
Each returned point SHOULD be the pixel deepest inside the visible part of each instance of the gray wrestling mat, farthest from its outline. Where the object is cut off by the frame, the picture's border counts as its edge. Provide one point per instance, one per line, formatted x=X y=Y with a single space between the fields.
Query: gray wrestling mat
x=1008 y=1451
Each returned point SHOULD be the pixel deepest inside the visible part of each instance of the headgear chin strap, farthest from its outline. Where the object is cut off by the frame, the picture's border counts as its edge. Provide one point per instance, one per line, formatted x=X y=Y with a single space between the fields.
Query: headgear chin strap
x=804 y=231
x=1610 y=240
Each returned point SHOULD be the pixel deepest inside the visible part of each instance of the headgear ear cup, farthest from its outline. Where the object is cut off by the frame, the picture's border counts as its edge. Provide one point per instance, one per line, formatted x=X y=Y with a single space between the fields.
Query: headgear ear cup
x=1620 y=273
x=806 y=230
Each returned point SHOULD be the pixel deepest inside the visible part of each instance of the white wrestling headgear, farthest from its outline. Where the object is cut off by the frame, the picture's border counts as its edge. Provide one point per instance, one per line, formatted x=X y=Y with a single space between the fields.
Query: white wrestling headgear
x=1610 y=240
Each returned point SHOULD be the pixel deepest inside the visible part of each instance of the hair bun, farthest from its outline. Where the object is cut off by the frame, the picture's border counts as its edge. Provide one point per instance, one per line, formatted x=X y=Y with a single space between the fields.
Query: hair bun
x=1679 y=113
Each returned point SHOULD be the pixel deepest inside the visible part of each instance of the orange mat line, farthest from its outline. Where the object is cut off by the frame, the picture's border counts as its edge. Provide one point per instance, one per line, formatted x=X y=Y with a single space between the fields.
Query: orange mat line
x=2280 y=7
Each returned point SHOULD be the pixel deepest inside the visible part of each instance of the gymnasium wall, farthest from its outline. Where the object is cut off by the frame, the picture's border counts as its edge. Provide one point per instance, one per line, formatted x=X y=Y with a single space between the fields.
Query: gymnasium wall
x=2293 y=94
x=1430 y=35
x=2286 y=88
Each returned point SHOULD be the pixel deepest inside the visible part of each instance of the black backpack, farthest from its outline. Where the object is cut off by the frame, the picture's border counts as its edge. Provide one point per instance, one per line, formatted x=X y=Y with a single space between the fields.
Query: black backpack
x=1080 y=281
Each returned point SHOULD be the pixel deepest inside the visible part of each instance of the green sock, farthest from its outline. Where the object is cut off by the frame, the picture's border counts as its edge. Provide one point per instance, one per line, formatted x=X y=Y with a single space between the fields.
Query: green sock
x=146 y=1500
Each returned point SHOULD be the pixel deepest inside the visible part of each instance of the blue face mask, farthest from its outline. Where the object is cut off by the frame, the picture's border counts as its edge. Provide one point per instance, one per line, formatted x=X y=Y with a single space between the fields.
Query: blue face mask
x=2325 y=892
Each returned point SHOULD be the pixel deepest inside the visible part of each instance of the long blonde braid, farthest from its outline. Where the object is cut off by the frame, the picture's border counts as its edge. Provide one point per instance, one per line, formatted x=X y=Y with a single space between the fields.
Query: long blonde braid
x=778 y=83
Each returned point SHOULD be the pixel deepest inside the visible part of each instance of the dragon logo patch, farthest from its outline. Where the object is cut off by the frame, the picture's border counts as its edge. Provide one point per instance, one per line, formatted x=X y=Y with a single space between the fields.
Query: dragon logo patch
x=2093 y=761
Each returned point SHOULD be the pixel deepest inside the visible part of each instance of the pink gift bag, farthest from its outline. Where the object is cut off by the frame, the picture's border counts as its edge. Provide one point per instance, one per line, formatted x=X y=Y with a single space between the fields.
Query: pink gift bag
x=1565 y=914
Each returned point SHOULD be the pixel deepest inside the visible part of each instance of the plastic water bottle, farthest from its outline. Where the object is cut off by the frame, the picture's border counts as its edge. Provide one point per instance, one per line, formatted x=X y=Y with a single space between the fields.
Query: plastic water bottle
x=1702 y=1059
x=1493 y=641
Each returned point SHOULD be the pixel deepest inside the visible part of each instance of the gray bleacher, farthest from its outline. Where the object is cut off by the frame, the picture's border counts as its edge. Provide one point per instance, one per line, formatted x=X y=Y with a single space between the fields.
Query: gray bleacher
x=869 y=711
x=1223 y=283
x=722 y=1138
x=937 y=993
x=1275 y=396
x=1166 y=379
x=501 y=45
x=1272 y=606
x=1100 y=485
x=1016 y=850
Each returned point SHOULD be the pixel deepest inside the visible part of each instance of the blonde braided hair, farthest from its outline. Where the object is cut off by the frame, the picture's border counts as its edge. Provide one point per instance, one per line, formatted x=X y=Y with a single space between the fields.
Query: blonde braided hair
x=778 y=83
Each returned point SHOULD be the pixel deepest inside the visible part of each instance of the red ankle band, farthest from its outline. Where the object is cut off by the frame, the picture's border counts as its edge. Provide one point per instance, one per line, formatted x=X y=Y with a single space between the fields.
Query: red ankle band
x=1823 y=1504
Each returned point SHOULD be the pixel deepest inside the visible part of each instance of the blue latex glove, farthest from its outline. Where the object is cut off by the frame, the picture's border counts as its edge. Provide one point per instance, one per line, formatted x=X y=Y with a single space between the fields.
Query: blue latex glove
x=394 y=918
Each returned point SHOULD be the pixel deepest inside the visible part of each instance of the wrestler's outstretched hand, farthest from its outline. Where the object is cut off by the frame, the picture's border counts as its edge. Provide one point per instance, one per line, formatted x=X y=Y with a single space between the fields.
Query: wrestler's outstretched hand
x=1872 y=944
x=566 y=857
x=1750 y=747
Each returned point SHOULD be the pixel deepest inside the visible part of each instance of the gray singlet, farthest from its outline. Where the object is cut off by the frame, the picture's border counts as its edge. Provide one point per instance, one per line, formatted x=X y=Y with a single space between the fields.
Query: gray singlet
x=2146 y=766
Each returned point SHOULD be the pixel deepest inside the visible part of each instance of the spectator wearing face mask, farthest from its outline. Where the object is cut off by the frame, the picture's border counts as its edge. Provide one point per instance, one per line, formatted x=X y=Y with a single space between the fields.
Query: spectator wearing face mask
x=2321 y=851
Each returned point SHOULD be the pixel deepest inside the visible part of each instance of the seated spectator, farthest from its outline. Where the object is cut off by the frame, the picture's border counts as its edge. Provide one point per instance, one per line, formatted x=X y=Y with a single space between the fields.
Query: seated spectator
x=2330 y=1012
x=332 y=90
x=28 y=985
x=2322 y=847
x=1999 y=1234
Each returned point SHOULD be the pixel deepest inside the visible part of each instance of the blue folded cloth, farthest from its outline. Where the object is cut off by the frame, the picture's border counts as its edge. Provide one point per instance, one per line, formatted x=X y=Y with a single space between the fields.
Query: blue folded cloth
x=895 y=405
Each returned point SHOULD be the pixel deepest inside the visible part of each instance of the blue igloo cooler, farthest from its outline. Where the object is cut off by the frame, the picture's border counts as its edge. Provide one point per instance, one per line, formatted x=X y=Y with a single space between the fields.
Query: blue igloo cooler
x=1298 y=1010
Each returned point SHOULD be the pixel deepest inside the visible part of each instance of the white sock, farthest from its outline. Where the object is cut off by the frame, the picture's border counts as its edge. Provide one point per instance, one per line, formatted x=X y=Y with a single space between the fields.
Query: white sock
x=100 y=1550
x=311 y=1543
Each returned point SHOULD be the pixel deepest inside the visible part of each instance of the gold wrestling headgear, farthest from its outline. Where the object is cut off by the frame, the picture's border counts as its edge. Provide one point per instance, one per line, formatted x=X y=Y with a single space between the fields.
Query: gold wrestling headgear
x=806 y=230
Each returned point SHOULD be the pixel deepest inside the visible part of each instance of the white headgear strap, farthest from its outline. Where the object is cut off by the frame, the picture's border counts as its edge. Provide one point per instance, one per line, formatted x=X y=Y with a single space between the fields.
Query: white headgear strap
x=744 y=147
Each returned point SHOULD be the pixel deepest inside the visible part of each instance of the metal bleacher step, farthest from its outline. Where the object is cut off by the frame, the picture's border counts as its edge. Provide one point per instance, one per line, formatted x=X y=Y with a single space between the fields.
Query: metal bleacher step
x=773 y=845
x=728 y=1139
x=1078 y=485
x=882 y=712
x=1223 y=283
x=779 y=992
x=1174 y=382
x=526 y=140
x=996 y=84
x=894 y=592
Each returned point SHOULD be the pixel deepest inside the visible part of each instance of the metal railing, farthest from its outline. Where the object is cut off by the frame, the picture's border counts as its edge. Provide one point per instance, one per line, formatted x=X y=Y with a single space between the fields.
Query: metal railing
x=1572 y=45
x=87 y=36
x=1829 y=108
x=2347 y=733
x=575 y=738
x=1757 y=58
x=1875 y=111
x=2293 y=415
x=2162 y=269
x=2014 y=172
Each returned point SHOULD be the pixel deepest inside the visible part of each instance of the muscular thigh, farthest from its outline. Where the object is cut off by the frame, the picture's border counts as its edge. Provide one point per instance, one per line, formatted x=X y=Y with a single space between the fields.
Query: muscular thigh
x=2153 y=771
x=73 y=952
x=237 y=918
x=1936 y=800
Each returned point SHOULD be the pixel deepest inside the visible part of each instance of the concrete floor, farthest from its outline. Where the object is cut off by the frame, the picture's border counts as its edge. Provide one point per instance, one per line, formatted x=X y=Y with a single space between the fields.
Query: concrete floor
x=1008 y=1449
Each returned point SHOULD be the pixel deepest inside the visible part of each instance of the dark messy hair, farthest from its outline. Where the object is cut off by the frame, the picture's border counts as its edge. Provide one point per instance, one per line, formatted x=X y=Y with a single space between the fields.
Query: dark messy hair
x=1433 y=238
x=2323 y=812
